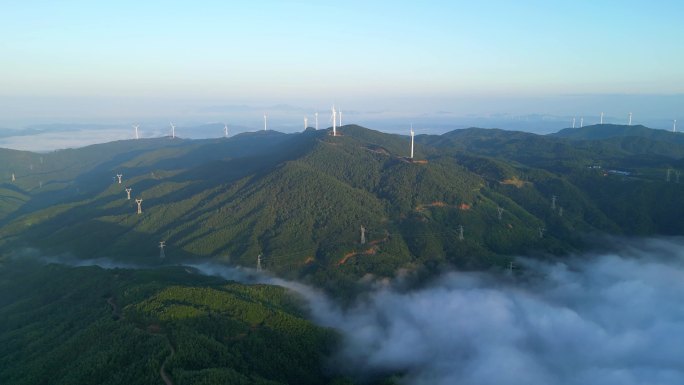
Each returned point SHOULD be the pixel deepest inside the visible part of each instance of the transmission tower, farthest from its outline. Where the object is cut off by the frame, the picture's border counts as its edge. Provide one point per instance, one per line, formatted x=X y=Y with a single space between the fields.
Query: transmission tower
x=363 y=235
x=162 y=244
x=500 y=211
x=118 y=176
x=553 y=202
x=128 y=192
x=460 y=232
x=139 y=202
x=259 y=262
x=14 y=179
x=511 y=266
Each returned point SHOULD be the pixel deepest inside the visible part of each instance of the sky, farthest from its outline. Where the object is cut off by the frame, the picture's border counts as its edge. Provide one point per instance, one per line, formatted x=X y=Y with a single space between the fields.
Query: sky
x=85 y=61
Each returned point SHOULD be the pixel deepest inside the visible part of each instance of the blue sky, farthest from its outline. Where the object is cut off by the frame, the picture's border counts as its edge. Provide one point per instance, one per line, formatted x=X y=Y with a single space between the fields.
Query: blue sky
x=463 y=57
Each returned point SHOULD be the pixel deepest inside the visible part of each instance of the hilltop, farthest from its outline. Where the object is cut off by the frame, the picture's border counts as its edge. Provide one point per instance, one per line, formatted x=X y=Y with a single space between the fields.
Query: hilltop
x=471 y=199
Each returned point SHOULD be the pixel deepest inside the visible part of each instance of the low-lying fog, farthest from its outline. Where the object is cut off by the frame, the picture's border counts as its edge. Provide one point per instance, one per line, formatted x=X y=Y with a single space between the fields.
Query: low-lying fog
x=614 y=318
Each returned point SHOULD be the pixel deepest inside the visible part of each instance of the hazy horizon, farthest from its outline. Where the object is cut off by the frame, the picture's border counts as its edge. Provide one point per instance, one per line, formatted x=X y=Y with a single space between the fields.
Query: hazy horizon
x=446 y=62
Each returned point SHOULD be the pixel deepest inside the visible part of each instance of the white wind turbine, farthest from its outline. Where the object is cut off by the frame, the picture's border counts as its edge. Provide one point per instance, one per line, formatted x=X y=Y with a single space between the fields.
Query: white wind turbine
x=225 y=130
x=412 y=135
x=135 y=126
x=334 y=120
x=173 y=131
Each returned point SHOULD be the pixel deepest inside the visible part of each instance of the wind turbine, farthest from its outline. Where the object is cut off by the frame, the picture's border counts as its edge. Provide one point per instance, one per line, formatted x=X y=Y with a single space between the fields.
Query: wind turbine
x=306 y=122
x=630 y=119
x=334 y=120
x=340 y=112
x=135 y=126
x=582 y=122
x=316 y=115
x=412 y=135
x=173 y=131
x=573 y=122
x=265 y=121
x=674 y=125
x=225 y=130
x=601 y=118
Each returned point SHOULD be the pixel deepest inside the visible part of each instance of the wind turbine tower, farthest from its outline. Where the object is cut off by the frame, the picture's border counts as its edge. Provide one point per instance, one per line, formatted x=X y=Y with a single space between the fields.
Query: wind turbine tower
x=363 y=235
x=674 y=125
x=541 y=231
x=582 y=122
x=573 y=122
x=460 y=232
x=500 y=211
x=259 y=262
x=119 y=176
x=139 y=202
x=601 y=117
x=162 y=244
x=135 y=126
x=225 y=130
x=128 y=192
x=334 y=120
x=412 y=135
x=630 y=119
x=173 y=131
x=306 y=122
x=316 y=115
x=340 y=118
x=14 y=179
x=265 y=121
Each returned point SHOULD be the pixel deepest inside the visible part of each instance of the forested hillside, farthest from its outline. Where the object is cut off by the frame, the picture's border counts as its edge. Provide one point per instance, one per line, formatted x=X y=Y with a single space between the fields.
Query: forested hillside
x=125 y=326
x=470 y=199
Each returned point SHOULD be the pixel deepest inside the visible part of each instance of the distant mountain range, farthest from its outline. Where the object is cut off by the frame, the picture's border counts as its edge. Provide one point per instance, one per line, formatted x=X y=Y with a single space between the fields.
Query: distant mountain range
x=470 y=199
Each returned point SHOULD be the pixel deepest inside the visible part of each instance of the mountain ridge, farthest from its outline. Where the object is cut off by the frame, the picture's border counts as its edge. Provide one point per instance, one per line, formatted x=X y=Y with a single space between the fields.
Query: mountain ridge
x=476 y=198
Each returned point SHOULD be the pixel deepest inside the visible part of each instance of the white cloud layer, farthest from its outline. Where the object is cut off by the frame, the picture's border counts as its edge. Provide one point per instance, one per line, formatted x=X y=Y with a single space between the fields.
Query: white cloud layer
x=608 y=319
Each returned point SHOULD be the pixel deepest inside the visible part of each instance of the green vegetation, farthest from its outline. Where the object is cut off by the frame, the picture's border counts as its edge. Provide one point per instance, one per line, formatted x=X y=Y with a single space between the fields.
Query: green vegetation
x=85 y=325
x=301 y=199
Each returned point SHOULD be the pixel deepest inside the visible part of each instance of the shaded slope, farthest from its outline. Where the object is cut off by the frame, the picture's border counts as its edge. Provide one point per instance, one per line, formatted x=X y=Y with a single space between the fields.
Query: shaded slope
x=53 y=331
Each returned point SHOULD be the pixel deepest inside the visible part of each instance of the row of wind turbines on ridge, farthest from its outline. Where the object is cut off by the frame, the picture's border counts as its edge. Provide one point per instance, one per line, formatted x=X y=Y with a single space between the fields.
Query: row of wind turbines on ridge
x=336 y=118
x=629 y=121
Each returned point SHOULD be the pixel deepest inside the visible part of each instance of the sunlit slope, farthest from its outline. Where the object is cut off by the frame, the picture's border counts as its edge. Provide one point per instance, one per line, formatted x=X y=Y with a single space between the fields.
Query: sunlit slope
x=469 y=199
x=302 y=205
